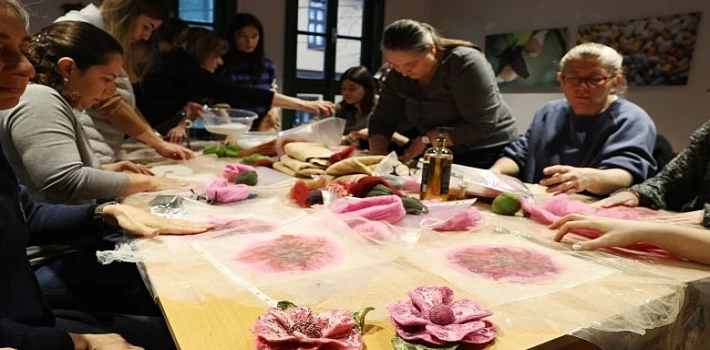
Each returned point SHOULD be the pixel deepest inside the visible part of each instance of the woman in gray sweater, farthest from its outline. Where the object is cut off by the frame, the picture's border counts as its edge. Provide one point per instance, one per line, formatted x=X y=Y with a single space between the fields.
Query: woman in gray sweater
x=440 y=82
x=42 y=137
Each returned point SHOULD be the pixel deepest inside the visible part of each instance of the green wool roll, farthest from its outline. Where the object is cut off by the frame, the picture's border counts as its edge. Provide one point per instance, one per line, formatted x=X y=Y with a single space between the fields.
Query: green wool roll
x=211 y=149
x=248 y=178
x=379 y=190
x=254 y=158
x=414 y=206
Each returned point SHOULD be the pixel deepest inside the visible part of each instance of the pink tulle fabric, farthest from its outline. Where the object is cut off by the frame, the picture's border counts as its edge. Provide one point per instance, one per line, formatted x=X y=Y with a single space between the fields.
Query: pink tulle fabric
x=230 y=171
x=220 y=191
x=379 y=208
x=464 y=220
x=411 y=184
x=558 y=206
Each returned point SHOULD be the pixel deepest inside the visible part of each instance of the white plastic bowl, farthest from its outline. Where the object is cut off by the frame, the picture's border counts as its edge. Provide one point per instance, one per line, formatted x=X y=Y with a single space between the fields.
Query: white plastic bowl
x=228 y=121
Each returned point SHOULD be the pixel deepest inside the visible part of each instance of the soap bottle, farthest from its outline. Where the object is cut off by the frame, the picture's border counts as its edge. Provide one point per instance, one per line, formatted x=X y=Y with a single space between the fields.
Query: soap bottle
x=436 y=168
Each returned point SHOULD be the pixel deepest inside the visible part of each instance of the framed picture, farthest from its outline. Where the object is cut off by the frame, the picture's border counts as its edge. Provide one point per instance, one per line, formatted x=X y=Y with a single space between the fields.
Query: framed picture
x=656 y=50
x=527 y=58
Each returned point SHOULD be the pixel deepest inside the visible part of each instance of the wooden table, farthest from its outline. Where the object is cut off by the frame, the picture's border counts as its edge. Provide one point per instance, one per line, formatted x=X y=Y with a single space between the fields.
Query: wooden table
x=217 y=322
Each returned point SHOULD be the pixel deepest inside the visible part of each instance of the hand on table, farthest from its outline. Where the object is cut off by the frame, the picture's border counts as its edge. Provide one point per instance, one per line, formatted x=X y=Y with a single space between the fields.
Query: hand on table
x=141 y=223
x=689 y=218
x=177 y=134
x=173 y=151
x=415 y=150
x=565 y=179
x=614 y=232
x=127 y=166
x=109 y=341
x=359 y=134
x=625 y=198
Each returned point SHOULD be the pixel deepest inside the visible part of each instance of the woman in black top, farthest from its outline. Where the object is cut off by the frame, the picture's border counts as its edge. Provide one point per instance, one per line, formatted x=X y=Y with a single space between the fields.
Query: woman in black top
x=187 y=73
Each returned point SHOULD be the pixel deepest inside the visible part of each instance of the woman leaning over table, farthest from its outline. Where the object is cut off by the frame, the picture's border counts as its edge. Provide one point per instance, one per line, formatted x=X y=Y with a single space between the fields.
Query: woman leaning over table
x=438 y=81
x=76 y=64
x=107 y=121
x=592 y=140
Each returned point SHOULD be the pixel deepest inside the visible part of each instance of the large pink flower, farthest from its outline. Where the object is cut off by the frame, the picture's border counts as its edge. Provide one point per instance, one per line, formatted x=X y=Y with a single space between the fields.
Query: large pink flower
x=299 y=328
x=434 y=317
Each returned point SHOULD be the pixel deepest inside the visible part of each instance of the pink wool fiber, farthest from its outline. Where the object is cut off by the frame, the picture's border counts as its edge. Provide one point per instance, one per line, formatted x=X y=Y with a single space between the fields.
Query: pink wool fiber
x=220 y=191
x=379 y=208
x=230 y=171
x=461 y=221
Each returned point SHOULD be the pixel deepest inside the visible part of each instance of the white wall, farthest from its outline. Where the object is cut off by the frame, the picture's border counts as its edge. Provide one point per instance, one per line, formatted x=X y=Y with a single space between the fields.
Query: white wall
x=677 y=111
x=272 y=14
x=43 y=12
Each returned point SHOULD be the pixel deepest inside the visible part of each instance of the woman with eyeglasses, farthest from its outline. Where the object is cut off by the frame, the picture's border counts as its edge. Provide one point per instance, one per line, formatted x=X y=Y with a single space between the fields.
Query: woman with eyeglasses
x=592 y=141
x=437 y=81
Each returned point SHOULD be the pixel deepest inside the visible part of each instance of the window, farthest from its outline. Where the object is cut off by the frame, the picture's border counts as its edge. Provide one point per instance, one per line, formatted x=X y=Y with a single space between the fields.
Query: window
x=316 y=23
x=197 y=12
x=324 y=38
x=209 y=14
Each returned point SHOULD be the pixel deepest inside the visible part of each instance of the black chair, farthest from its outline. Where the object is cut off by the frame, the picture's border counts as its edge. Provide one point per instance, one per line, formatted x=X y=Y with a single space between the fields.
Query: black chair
x=663 y=152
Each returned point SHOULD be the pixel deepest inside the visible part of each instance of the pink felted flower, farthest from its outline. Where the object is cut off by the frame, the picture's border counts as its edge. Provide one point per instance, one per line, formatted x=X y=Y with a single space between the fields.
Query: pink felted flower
x=230 y=171
x=432 y=316
x=300 y=328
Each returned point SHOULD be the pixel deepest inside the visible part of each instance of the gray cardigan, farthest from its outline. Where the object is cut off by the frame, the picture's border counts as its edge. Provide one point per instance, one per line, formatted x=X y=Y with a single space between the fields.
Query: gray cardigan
x=463 y=94
x=49 y=151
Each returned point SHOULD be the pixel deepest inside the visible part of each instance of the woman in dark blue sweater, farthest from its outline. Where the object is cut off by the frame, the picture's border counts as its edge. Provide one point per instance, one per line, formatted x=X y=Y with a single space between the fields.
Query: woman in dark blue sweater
x=593 y=140
x=26 y=321
x=246 y=65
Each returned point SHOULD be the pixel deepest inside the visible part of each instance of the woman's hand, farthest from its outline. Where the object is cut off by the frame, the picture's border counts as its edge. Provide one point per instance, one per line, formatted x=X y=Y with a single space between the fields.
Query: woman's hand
x=319 y=108
x=565 y=179
x=127 y=166
x=614 y=232
x=689 y=218
x=141 y=223
x=178 y=133
x=173 y=151
x=625 y=198
x=110 y=341
x=271 y=121
x=415 y=150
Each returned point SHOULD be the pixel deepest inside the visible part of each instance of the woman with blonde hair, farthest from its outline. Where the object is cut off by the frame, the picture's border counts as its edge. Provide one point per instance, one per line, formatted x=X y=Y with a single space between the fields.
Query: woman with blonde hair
x=106 y=123
x=591 y=141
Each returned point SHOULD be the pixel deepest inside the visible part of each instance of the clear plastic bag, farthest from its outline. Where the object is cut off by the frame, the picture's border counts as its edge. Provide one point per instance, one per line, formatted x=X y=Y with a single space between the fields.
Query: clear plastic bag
x=485 y=183
x=328 y=131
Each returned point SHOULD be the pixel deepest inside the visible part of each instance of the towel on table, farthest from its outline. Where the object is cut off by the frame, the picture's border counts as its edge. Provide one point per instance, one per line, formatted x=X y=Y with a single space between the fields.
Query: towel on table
x=315 y=153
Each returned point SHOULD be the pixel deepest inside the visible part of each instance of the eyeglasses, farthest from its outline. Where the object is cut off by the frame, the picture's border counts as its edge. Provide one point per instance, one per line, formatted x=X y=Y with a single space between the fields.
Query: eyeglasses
x=590 y=81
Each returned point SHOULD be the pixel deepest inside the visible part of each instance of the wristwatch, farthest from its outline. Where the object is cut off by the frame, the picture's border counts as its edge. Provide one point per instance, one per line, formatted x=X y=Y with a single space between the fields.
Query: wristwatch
x=426 y=140
x=99 y=211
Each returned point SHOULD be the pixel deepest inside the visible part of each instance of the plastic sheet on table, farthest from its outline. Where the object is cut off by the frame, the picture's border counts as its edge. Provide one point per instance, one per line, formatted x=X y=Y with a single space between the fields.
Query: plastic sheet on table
x=485 y=183
x=305 y=254
x=412 y=228
x=690 y=330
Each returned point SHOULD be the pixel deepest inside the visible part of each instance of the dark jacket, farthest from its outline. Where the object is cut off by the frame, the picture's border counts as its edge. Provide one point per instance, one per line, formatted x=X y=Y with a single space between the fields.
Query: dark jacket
x=178 y=79
x=26 y=321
